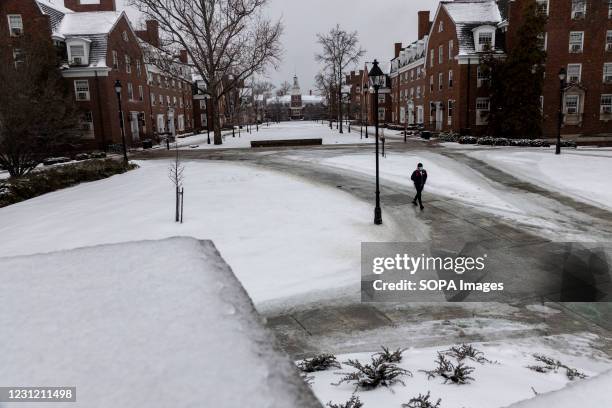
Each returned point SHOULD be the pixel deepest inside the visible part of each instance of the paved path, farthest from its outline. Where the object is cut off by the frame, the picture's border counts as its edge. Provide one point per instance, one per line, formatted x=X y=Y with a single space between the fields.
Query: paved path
x=344 y=324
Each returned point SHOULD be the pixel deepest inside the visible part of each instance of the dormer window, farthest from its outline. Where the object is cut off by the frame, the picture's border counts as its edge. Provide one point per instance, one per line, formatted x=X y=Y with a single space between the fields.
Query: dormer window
x=78 y=52
x=441 y=27
x=125 y=36
x=484 y=38
x=15 y=25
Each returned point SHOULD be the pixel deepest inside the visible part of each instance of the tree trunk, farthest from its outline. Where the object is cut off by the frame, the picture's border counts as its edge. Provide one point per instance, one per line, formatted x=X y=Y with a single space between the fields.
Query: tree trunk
x=216 y=120
x=340 y=105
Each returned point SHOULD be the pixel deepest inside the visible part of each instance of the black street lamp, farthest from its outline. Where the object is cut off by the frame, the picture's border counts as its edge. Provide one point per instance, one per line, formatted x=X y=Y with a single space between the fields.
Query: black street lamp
x=377 y=79
x=118 y=91
x=562 y=77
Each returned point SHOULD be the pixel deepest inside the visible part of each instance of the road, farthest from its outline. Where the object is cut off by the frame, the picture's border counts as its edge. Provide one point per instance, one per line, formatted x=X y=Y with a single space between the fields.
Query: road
x=344 y=324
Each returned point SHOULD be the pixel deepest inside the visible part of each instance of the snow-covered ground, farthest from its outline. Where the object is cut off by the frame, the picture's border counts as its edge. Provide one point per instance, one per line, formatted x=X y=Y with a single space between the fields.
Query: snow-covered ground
x=140 y=324
x=283 y=130
x=583 y=174
x=505 y=381
x=281 y=235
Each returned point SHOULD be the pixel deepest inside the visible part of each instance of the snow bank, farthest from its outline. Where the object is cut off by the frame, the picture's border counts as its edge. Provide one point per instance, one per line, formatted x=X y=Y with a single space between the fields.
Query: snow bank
x=498 y=384
x=283 y=236
x=141 y=324
x=590 y=393
x=283 y=130
x=580 y=174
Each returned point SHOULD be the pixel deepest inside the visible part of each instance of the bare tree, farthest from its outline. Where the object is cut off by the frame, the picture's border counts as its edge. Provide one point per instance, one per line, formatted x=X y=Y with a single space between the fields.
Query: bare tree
x=38 y=115
x=325 y=83
x=339 y=49
x=283 y=89
x=176 y=175
x=227 y=41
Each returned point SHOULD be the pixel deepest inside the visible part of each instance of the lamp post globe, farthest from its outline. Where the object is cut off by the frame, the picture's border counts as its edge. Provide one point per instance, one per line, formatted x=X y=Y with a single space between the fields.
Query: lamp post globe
x=377 y=79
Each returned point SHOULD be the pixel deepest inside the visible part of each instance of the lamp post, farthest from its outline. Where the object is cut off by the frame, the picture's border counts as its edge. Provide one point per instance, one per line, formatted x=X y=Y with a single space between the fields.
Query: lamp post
x=562 y=76
x=118 y=92
x=207 y=99
x=377 y=78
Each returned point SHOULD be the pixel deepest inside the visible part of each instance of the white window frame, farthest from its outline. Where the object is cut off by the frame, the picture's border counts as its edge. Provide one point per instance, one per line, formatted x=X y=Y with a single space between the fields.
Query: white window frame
x=15 y=30
x=125 y=37
x=541 y=3
x=450 y=78
x=441 y=26
x=440 y=54
x=609 y=40
x=566 y=109
x=572 y=67
x=130 y=91
x=115 y=60
x=140 y=93
x=128 y=64
x=579 y=8
x=605 y=104
x=81 y=87
x=573 y=49
x=544 y=38
x=451 y=49
x=481 y=78
x=482 y=105
x=450 y=105
x=607 y=72
x=18 y=57
x=440 y=81
x=153 y=100
x=431 y=58
x=481 y=44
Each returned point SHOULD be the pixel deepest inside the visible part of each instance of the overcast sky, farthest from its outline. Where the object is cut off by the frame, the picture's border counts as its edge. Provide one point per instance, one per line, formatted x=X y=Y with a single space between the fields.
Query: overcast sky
x=380 y=24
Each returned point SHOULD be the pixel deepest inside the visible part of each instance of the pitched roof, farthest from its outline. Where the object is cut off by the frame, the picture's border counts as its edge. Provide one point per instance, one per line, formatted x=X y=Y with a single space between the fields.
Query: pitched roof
x=469 y=14
x=96 y=22
x=55 y=12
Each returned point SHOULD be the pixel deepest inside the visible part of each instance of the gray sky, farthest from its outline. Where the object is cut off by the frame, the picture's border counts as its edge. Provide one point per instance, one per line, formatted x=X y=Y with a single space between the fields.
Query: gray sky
x=379 y=23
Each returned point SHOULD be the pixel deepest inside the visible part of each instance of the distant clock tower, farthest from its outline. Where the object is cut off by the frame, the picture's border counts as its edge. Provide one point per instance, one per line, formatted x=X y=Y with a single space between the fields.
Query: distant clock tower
x=296 y=109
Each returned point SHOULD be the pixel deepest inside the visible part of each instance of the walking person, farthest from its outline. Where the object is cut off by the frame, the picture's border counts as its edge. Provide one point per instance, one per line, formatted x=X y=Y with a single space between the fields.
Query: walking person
x=419 y=177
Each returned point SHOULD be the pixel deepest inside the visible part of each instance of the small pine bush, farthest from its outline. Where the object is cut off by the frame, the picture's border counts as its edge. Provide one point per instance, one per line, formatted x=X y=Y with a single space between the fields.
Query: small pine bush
x=321 y=362
x=370 y=376
x=354 y=402
x=422 y=401
x=390 y=356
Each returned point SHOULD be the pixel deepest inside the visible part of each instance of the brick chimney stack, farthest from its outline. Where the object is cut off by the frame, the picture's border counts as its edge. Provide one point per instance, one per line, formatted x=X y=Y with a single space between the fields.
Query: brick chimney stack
x=424 y=23
x=183 y=57
x=398 y=49
x=80 y=6
x=150 y=34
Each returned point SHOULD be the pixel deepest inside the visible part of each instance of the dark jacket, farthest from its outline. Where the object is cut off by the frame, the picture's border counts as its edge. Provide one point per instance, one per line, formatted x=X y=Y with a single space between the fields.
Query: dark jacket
x=419 y=177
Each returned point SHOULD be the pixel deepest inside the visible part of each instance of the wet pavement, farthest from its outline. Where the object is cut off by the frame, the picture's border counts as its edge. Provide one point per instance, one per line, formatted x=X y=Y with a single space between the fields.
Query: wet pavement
x=344 y=324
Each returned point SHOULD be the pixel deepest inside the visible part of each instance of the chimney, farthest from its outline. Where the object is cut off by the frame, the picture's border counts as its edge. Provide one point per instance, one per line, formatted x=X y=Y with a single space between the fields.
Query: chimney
x=153 y=32
x=424 y=24
x=398 y=48
x=80 y=6
x=183 y=57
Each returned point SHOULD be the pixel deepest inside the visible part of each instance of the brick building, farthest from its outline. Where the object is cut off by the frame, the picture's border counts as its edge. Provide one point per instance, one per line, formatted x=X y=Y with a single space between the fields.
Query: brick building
x=455 y=91
x=354 y=88
x=366 y=101
x=578 y=38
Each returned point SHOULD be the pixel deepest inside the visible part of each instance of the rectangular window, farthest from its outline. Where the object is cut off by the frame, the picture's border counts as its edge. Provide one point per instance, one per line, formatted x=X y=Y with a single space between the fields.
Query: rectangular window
x=431 y=58
x=451 y=46
x=115 y=60
x=418 y=92
x=140 y=93
x=15 y=23
x=381 y=114
x=450 y=78
x=542 y=6
x=440 y=54
x=609 y=41
x=130 y=91
x=578 y=9
x=483 y=106
x=607 y=72
x=485 y=40
x=576 y=39
x=606 y=104
x=571 y=104
x=441 y=27
x=168 y=100
x=161 y=99
x=412 y=74
x=482 y=76
x=609 y=8
x=153 y=100
x=450 y=112
x=440 y=81
x=174 y=101
x=81 y=89
x=574 y=72
x=138 y=67
x=18 y=57
x=543 y=41
x=128 y=64
x=431 y=83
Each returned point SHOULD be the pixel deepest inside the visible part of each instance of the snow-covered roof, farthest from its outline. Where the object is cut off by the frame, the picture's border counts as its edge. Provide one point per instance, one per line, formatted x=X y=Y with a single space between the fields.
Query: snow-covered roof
x=306 y=99
x=55 y=12
x=95 y=22
x=469 y=14
x=131 y=323
x=473 y=11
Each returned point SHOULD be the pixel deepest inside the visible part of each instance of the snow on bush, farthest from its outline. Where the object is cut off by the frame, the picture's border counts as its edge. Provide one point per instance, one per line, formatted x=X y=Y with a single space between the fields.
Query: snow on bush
x=390 y=356
x=456 y=373
x=370 y=376
x=468 y=140
x=422 y=401
x=467 y=351
x=549 y=364
x=354 y=402
x=321 y=362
